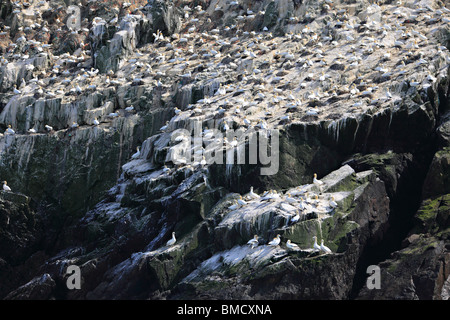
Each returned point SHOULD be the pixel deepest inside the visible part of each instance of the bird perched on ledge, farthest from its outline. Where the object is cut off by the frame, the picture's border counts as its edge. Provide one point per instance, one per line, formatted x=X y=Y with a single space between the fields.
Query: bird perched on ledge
x=5 y=186
x=275 y=242
x=172 y=241
x=291 y=245
x=253 y=242
x=324 y=248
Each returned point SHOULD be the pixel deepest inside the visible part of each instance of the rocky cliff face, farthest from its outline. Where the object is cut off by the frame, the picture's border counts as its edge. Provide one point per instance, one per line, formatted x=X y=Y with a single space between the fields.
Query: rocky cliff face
x=353 y=91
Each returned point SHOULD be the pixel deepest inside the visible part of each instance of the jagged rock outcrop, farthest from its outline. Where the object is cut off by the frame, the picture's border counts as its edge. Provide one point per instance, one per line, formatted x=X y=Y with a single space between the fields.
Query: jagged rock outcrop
x=419 y=269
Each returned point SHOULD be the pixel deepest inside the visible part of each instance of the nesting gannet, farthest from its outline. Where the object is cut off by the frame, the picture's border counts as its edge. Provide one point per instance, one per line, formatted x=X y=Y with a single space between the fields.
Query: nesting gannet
x=303 y=205
x=9 y=130
x=275 y=242
x=317 y=182
x=272 y=196
x=291 y=245
x=234 y=143
x=49 y=128
x=136 y=154
x=296 y=218
x=16 y=91
x=333 y=203
x=252 y=194
x=5 y=186
x=74 y=125
x=324 y=248
x=316 y=246
x=297 y=191
x=95 y=122
x=172 y=241
x=253 y=242
x=241 y=201
x=234 y=206
x=316 y=200
x=164 y=127
x=289 y=199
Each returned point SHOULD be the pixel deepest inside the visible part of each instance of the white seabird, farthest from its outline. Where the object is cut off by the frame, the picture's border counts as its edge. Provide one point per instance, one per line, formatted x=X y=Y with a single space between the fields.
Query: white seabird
x=333 y=204
x=241 y=201
x=324 y=248
x=136 y=154
x=316 y=246
x=172 y=241
x=9 y=130
x=291 y=245
x=289 y=199
x=5 y=186
x=253 y=195
x=234 y=206
x=164 y=127
x=296 y=217
x=253 y=242
x=275 y=242
x=316 y=181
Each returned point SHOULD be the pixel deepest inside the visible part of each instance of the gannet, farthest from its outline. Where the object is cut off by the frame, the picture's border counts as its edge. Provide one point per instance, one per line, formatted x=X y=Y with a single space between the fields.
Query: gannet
x=312 y=111
x=203 y=163
x=316 y=246
x=164 y=127
x=317 y=182
x=296 y=217
x=9 y=130
x=253 y=242
x=275 y=242
x=49 y=128
x=32 y=130
x=291 y=245
x=298 y=190
x=303 y=205
x=74 y=125
x=273 y=195
x=333 y=203
x=5 y=186
x=16 y=91
x=234 y=206
x=253 y=195
x=316 y=201
x=95 y=122
x=324 y=248
x=172 y=241
x=234 y=143
x=289 y=199
x=136 y=154
x=241 y=201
